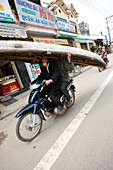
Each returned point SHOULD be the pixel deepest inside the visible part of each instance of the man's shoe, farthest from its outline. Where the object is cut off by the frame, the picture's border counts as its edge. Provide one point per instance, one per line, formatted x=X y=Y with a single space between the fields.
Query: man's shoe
x=62 y=110
x=69 y=104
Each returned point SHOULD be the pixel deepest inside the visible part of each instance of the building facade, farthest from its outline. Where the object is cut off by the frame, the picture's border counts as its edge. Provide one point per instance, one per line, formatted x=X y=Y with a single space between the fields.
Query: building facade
x=66 y=17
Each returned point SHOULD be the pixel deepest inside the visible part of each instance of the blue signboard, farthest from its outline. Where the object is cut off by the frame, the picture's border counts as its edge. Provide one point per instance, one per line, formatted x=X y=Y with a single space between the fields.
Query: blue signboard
x=34 y=14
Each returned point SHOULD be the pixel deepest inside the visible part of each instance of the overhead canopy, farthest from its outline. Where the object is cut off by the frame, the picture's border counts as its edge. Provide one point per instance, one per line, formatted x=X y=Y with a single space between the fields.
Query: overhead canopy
x=25 y=51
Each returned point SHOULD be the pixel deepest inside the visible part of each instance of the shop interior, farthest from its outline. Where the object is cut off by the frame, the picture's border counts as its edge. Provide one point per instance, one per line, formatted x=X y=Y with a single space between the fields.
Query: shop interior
x=8 y=81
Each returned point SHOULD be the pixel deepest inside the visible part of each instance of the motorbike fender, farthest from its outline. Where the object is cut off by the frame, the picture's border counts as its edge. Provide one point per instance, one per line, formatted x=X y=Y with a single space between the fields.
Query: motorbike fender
x=73 y=87
x=30 y=107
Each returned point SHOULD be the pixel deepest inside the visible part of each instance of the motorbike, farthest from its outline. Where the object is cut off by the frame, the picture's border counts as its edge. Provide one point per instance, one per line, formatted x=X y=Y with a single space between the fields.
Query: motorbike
x=105 y=60
x=31 y=117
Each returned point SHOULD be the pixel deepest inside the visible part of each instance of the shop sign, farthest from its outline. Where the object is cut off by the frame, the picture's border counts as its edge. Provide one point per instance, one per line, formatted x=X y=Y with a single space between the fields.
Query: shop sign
x=35 y=69
x=5 y=11
x=80 y=40
x=34 y=14
x=10 y=87
x=50 y=41
x=66 y=27
x=12 y=32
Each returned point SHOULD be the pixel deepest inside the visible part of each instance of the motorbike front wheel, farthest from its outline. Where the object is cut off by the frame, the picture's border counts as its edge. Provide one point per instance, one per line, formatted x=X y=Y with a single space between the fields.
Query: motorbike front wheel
x=28 y=127
x=100 y=69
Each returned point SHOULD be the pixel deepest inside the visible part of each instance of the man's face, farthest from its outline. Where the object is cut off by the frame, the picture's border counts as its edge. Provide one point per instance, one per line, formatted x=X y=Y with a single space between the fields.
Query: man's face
x=44 y=60
x=100 y=49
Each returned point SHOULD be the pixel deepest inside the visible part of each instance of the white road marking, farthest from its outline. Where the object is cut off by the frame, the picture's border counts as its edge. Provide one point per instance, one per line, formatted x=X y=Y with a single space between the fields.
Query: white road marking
x=51 y=156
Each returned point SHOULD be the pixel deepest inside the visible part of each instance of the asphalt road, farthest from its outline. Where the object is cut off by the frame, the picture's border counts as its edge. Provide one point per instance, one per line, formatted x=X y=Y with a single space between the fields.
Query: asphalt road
x=81 y=139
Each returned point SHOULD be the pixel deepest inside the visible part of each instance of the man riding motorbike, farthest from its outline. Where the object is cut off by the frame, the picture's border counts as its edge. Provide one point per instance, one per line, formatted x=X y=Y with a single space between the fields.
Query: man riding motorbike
x=50 y=73
x=103 y=54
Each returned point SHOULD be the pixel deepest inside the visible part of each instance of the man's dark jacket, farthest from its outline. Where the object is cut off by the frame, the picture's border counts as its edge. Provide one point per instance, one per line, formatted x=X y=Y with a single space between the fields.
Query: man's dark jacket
x=53 y=74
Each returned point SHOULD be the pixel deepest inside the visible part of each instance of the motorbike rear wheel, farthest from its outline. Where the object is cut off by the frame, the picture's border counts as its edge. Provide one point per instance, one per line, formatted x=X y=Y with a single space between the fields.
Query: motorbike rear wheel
x=25 y=130
x=72 y=96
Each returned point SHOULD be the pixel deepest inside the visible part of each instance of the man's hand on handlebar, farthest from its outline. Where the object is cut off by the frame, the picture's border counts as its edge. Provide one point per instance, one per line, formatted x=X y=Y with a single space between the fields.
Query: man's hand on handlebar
x=47 y=82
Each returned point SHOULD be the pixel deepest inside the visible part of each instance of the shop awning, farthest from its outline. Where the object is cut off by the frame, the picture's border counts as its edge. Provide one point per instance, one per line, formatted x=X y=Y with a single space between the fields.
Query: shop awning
x=80 y=40
x=12 y=30
x=67 y=34
x=40 y=33
x=74 y=37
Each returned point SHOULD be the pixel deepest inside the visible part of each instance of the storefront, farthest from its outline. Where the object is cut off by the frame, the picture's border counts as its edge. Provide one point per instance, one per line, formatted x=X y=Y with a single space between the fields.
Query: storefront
x=86 y=44
x=10 y=72
x=10 y=78
x=13 y=77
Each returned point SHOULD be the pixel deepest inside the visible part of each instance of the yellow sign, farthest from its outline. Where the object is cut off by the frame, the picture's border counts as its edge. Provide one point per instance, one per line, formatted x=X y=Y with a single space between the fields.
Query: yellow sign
x=50 y=41
x=13 y=87
x=1 y=7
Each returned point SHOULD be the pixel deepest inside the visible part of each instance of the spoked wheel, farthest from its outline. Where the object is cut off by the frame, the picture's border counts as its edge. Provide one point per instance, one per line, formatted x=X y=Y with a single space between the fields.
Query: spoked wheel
x=72 y=97
x=99 y=69
x=28 y=127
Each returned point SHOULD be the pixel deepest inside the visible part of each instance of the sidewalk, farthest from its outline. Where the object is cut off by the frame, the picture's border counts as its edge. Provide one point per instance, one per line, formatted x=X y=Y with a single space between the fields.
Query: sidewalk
x=22 y=100
x=76 y=73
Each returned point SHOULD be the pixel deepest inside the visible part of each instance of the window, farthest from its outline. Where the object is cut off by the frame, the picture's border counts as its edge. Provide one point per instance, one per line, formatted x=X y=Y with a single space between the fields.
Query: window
x=72 y=23
x=59 y=11
x=61 y=19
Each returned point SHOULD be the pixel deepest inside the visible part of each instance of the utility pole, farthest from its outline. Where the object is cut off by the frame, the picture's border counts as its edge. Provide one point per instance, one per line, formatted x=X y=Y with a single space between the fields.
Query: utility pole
x=105 y=38
x=108 y=28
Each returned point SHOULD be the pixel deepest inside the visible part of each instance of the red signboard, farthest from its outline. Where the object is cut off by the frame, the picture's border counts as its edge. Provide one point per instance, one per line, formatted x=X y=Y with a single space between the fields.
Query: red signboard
x=9 y=87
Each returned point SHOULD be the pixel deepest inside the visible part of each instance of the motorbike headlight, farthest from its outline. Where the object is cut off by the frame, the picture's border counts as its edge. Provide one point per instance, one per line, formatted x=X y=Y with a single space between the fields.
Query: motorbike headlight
x=34 y=86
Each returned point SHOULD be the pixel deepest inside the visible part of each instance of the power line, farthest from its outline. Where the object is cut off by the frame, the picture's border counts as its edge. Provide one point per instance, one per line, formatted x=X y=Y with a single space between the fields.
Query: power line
x=101 y=7
x=98 y=6
x=91 y=6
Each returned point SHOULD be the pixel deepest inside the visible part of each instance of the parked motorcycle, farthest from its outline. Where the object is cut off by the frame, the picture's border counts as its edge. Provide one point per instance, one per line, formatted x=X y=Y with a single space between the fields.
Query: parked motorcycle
x=31 y=117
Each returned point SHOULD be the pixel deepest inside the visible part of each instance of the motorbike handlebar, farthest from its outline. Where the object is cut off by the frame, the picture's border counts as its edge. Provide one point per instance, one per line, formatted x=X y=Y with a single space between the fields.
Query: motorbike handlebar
x=42 y=83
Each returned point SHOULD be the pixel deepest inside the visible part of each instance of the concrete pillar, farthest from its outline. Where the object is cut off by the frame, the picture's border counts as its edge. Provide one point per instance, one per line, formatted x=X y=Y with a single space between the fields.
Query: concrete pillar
x=88 y=48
